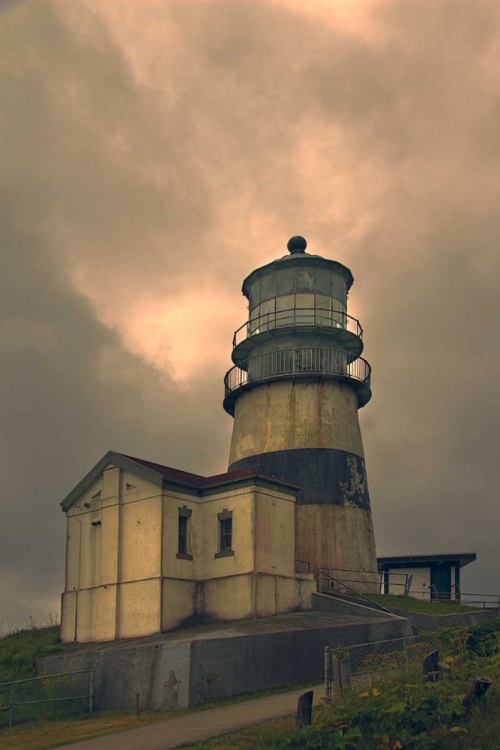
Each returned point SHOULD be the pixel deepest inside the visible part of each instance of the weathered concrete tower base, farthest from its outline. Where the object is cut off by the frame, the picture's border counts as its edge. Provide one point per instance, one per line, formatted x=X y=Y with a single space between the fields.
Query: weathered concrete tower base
x=295 y=392
x=308 y=432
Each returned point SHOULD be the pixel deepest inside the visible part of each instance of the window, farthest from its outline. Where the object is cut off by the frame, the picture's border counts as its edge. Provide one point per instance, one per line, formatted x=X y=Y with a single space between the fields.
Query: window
x=183 y=535
x=225 y=534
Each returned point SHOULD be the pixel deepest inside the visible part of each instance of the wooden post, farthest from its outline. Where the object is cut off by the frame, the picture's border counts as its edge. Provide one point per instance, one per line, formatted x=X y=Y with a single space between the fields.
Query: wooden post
x=477 y=689
x=341 y=674
x=431 y=666
x=304 y=710
x=137 y=704
x=328 y=675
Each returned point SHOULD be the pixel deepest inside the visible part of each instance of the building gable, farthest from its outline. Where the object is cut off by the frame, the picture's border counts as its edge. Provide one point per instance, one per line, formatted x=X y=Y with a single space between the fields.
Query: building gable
x=89 y=484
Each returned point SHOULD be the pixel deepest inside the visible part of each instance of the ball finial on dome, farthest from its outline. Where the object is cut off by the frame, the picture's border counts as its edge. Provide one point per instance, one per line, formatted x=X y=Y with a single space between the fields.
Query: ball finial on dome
x=297 y=245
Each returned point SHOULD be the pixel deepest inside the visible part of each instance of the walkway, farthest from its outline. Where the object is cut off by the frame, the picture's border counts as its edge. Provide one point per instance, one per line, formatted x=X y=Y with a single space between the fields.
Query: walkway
x=199 y=725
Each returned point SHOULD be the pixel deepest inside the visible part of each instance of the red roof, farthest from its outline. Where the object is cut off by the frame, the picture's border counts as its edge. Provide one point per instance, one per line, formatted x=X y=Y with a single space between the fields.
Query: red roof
x=196 y=480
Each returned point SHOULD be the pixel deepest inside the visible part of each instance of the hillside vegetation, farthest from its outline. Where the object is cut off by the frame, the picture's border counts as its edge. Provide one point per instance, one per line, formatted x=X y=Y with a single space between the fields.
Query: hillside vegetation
x=20 y=650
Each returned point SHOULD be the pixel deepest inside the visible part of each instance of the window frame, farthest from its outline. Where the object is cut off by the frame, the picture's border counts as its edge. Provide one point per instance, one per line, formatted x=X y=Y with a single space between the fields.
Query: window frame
x=224 y=518
x=185 y=514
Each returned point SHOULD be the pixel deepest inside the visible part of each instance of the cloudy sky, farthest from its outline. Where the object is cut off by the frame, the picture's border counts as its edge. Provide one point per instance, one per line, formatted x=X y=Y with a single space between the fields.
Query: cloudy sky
x=153 y=153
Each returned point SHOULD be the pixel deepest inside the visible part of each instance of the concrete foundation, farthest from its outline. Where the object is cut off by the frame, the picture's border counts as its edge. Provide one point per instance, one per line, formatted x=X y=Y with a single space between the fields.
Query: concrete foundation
x=200 y=664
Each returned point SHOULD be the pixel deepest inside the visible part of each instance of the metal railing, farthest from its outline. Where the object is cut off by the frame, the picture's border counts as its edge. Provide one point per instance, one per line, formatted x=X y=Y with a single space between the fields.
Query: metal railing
x=297 y=316
x=330 y=582
x=50 y=696
x=302 y=566
x=406 y=584
x=318 y=360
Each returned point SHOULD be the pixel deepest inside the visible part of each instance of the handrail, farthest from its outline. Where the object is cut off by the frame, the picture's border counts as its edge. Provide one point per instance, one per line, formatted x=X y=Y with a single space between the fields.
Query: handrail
x=294 y=316
x=378 y=572
x=374 y=604
x=300 y=360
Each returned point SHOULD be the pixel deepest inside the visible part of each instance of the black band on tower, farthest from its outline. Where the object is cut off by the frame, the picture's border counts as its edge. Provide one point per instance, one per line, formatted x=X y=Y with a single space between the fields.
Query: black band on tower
x=328 y=476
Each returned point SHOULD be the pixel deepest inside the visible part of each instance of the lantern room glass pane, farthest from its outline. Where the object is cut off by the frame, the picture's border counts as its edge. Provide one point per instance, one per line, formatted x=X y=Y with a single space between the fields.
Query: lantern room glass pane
x=323 y=307
x=305 y=309
x=267 y=318
x=285 y=310
x=338 y=314
x=254 y=320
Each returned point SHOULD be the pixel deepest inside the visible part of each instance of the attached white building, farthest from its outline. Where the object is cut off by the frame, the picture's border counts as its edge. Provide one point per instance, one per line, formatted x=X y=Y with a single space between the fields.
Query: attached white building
x=151 y=548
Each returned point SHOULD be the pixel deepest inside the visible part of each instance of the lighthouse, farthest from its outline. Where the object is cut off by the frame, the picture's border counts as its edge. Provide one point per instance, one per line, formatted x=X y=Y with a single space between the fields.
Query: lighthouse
x=297 y=384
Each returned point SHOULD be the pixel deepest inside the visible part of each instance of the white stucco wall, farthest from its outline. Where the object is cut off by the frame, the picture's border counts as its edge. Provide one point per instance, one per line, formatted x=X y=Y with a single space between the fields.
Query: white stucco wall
x=420 y=585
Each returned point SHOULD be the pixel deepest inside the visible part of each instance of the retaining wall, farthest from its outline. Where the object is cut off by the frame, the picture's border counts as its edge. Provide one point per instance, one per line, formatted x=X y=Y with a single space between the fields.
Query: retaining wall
x=192 y=671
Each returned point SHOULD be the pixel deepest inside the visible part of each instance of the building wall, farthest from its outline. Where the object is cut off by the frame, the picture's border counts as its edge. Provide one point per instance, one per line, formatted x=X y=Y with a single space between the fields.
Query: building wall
x=275 y=540
x=338 y=537
x=113 y=569
x=420 y=585
x=241 y=501
x=172 y=566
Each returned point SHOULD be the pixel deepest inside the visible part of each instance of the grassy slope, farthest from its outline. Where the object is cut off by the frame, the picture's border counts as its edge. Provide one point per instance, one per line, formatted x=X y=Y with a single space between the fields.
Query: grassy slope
x=419 y=605
x=20 y=650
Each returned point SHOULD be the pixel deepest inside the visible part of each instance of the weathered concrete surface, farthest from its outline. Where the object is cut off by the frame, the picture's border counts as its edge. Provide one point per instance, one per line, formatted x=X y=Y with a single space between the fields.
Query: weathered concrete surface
x=204 y=663
x=329 y=603
x=294 y=414
x=421 y=620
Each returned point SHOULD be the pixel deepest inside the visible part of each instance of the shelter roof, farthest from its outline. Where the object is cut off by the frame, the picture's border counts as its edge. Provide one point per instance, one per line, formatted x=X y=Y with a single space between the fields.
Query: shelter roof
x=462 y=558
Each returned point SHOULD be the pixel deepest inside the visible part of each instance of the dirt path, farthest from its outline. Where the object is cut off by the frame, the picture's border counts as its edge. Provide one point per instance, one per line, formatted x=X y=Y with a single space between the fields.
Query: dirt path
x=200 y=725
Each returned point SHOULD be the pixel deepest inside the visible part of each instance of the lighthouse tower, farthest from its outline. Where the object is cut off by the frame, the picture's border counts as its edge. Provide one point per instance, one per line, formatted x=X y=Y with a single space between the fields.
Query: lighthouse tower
x=295 y=389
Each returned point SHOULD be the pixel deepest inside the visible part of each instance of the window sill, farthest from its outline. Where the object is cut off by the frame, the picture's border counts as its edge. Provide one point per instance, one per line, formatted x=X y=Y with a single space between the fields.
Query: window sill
x=226 y=553
x=184 y=556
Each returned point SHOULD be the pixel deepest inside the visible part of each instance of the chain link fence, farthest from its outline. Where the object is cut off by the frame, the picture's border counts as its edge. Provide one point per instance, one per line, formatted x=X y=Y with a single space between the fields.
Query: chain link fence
x=367 y=663
x=396 y=653
x=58 y=696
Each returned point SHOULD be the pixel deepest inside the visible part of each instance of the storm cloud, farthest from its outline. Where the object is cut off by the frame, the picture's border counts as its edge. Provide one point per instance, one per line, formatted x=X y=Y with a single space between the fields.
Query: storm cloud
x=153 y=153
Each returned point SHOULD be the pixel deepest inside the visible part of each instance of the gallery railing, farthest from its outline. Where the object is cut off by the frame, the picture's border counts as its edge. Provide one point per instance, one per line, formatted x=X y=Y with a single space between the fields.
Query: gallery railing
x=305 y=360
x=297 y=316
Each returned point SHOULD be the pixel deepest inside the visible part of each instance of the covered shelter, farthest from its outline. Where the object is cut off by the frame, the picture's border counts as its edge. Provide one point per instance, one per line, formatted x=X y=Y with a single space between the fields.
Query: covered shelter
x=424 y=576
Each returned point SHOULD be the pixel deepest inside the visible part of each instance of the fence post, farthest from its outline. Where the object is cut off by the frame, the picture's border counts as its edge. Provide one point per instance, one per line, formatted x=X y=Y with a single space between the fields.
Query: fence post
x=91 y=691
x=304 y=710
x=11 y=703
x=328 y=674
x=341 y=674
x=431 y=666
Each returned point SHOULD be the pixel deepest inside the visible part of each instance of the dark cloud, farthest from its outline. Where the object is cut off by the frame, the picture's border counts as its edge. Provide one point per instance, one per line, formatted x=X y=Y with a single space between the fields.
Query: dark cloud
x=157 y=152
